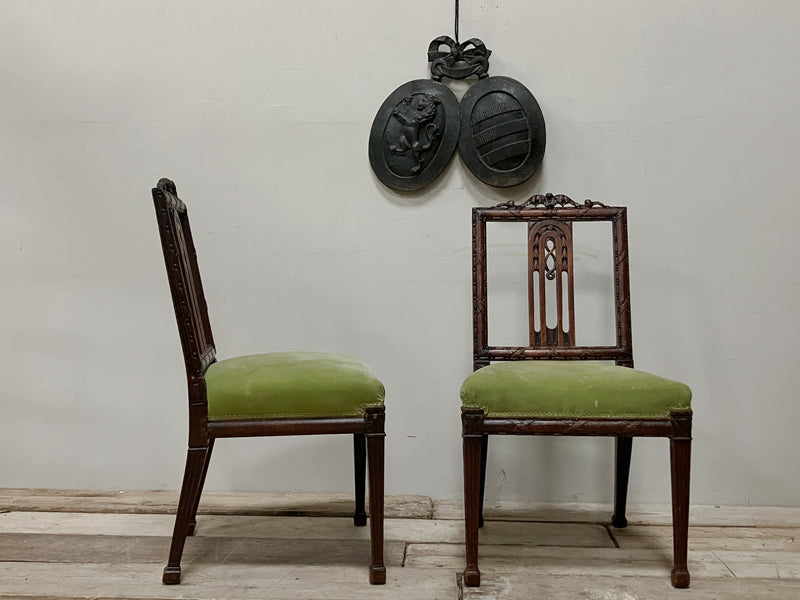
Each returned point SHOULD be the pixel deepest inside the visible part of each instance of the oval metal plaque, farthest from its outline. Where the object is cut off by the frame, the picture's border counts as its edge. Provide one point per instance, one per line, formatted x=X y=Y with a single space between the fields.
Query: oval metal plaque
x=414 y=135
x=502 y=132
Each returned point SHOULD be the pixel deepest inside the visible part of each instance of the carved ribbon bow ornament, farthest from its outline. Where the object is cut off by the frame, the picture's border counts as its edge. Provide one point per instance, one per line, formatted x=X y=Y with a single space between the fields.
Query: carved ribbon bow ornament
x=460 y=60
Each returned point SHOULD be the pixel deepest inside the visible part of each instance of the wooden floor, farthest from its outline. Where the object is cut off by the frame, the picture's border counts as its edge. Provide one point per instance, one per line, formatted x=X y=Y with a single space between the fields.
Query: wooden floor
x=81 y=544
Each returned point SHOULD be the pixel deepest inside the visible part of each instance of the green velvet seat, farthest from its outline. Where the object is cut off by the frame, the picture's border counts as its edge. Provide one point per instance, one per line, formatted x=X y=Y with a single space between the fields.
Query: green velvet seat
x=290 y=384
x=572 y=389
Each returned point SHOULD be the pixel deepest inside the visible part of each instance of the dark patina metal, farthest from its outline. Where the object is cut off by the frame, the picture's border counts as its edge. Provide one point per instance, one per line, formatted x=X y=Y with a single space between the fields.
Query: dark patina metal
x=414 y=135
x=459 y=61
x=502 y=132
x=499 y=127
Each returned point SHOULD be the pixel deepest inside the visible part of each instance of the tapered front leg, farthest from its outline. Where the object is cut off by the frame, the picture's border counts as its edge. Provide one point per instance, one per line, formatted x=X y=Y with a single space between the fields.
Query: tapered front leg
x=375 y=459
x=472 y=441
x=189 y=491
x=622 y=473
x=360 y=464
x=680 y=463
x=206 y=461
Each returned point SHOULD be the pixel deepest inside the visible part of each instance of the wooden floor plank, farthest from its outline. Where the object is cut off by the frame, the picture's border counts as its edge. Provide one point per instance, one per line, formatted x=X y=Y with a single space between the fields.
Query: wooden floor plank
x=228 y=503
x=545 y=561
x=769 y=539
x=397 y=506
x=781 y=565
x=406 y=530
x=518 y=586
x=641 y=514
x=23 y=547
x=234 y=582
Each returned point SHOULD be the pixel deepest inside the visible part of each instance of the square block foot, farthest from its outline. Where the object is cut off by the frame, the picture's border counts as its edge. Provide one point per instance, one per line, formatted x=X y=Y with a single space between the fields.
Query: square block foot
x=472 y=577
x=680 y=578
x=172 y=575
x=377 y=575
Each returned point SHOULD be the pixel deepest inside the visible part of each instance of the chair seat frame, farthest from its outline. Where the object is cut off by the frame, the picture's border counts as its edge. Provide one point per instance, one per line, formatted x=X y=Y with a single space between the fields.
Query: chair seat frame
x=477 y=425
x=199 y=352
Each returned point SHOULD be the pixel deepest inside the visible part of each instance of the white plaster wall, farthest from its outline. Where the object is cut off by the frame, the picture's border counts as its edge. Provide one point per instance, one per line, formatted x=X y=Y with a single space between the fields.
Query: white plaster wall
x=260 y=111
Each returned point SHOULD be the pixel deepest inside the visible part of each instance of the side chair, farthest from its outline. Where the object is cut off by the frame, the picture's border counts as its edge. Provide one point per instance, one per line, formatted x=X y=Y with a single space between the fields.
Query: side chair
x=554 y=386
x=280 y=393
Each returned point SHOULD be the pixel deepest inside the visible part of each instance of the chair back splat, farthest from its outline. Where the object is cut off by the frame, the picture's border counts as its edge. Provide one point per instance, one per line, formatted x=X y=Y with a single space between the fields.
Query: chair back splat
x=550 y=264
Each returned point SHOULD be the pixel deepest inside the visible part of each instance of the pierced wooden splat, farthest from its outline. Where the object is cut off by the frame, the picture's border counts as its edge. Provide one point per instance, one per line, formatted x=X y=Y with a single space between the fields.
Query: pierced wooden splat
x=550 y=282
x=560 y=212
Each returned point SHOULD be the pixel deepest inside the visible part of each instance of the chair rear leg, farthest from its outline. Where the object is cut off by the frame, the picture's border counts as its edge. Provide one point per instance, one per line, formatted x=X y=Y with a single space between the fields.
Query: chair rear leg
x=360 y=463
x=622 y=472
x=206 y=461
x=192 y=475
x=680 y=462
x=484 y=454
x=375 y=452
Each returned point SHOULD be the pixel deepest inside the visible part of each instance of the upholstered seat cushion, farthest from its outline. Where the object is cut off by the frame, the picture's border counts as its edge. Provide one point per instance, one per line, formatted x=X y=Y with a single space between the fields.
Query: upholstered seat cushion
x=290 y=384
x=563 y=389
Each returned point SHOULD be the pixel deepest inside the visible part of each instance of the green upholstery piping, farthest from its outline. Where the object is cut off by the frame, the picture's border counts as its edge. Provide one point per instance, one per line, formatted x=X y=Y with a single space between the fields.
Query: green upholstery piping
x=565 y=389
x=290 y=384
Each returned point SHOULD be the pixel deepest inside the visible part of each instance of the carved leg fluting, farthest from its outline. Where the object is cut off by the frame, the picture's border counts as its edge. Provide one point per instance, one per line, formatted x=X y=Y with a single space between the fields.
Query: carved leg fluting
x=206 y=461
x=473 y=441
x=484 y=455
x=360 y=464
x=680 y=463
x=622 y=472
x=189 y=490
x=375 y=460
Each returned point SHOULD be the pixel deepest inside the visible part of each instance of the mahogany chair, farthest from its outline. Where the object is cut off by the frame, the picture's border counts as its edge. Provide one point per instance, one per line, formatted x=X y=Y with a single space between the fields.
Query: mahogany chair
x=281 y=393
x=553 y=386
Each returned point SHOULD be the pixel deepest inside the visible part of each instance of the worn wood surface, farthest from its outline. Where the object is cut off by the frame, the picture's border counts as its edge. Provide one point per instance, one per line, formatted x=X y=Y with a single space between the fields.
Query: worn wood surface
x=418 y=531
x=227 y=503
x=556 y=560
x=642 y=514
x=579 y=587
x=230 y=581
x=769 y=539
x=560 y=554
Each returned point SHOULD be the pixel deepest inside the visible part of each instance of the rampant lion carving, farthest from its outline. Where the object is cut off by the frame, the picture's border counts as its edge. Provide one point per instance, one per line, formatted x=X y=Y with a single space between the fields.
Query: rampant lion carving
x=418 y=132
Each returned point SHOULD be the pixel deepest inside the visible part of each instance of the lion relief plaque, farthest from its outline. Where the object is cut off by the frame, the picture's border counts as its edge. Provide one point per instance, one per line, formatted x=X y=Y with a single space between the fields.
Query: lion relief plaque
x=414 y=135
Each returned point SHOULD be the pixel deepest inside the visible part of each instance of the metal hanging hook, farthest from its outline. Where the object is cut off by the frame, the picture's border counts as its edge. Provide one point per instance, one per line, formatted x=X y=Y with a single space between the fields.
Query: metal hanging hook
x=457 y=40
